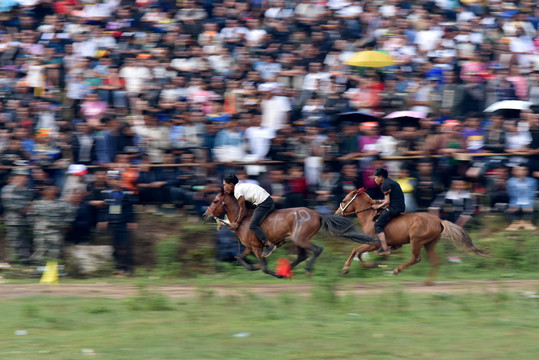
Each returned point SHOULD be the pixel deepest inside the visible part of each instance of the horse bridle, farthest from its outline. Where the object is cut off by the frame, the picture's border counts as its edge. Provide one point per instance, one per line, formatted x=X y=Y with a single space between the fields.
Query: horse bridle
x=217 y=205
x=342 y=208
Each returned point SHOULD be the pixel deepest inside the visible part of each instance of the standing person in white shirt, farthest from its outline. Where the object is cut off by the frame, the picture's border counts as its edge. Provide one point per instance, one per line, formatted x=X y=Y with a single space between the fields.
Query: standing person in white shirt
x=275 y=108
x=262 y=201
x=258 y=137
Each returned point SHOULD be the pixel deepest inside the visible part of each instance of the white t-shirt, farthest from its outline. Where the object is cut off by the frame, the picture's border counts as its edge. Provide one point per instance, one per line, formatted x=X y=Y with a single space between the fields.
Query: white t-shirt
x=251 y=193
x=135 y=77
x=275 y=112
x=259 y=140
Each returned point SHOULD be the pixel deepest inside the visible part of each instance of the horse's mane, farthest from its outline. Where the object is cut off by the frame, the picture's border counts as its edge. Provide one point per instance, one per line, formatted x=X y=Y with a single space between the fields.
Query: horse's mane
x=361 y=192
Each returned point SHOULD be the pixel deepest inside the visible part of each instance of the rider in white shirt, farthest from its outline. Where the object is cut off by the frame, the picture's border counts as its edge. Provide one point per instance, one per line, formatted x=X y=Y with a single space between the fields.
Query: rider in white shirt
x=262 y=201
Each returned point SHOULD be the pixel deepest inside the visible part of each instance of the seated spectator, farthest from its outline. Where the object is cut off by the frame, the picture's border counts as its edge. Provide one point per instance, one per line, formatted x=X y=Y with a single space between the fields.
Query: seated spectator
x=428 y=185
x=521 y=189
x=497 y=188
x=456 y=205
x=516 y=141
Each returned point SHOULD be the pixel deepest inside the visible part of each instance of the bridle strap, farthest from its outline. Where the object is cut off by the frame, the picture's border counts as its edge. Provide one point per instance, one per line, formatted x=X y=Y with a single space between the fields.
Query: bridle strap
x=217 y=205
x=351 y=201
x=353 y=212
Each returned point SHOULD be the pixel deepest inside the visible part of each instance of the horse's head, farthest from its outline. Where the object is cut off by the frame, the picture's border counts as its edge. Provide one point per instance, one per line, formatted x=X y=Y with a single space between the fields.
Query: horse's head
x=217 y=206
x=355 y=201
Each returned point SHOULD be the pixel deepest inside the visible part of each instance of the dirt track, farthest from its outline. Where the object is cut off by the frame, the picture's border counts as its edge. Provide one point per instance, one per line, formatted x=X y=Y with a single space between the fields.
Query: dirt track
x=120 y=290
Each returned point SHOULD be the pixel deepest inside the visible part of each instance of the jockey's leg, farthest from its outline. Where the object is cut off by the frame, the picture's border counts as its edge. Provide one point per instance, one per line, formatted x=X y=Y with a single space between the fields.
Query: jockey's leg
x=259 y=214
x=384 y=218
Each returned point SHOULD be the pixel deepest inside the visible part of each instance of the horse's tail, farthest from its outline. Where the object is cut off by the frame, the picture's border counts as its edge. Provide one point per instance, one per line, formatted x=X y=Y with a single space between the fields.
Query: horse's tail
x=460 y=237
x=344 y=228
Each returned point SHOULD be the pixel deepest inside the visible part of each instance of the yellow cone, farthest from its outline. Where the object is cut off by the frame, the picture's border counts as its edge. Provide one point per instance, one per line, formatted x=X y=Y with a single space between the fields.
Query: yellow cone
x=50 y=276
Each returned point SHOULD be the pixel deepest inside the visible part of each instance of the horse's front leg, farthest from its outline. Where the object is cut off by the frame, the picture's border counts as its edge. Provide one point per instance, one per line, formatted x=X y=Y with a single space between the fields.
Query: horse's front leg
x=241 y=259
x=263 y=263
x=357 y=252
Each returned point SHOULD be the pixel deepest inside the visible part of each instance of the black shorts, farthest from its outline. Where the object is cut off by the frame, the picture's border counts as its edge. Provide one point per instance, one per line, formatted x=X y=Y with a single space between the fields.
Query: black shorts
x=384 y=219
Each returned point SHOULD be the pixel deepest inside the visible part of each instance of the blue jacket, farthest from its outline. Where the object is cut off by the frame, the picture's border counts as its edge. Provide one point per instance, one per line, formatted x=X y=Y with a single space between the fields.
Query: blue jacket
x=524 y=192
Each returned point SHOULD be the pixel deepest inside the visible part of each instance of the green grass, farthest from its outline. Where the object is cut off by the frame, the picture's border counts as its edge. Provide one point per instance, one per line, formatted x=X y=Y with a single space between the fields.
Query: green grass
x=294 y=325
x=392 y=325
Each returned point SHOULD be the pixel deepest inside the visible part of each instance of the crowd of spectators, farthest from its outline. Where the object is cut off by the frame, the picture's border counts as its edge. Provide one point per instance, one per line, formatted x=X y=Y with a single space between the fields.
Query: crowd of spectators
x=137 y=87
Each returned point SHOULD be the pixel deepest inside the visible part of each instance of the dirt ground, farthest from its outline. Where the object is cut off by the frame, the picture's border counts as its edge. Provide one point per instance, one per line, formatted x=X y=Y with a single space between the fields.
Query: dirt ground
x=177 y=291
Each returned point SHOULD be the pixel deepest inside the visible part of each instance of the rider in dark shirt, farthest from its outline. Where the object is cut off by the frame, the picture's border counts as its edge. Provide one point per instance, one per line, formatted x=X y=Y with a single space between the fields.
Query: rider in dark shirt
x=394 y=203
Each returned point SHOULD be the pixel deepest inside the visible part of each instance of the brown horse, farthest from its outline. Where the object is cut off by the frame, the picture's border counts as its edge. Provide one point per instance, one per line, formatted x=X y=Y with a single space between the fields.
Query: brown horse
x=300 y=224
x=417 y=229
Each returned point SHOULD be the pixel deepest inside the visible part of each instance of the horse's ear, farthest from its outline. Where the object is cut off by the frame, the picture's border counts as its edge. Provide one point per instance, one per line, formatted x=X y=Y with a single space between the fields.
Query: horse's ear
x=360 y=190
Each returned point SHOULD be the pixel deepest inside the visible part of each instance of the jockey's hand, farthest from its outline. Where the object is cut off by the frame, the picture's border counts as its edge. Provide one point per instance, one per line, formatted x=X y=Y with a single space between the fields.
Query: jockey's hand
x=377 y=206
x=234 y=225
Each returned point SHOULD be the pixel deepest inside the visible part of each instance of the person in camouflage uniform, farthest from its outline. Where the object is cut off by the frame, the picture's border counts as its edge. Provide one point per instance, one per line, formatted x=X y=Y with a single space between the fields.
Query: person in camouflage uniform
x=16 y=199
x=50 y=217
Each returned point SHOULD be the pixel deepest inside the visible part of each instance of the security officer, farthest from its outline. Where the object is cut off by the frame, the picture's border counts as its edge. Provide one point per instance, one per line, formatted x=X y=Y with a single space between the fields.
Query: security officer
x=116 y=214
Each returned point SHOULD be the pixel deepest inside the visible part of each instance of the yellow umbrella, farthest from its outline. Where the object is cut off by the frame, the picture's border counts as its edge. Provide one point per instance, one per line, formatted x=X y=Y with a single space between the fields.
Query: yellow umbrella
x=371 y=59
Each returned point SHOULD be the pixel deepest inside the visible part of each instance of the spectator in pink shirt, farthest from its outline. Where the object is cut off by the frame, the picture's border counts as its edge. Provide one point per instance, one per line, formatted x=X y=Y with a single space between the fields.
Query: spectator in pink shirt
x=93 y=109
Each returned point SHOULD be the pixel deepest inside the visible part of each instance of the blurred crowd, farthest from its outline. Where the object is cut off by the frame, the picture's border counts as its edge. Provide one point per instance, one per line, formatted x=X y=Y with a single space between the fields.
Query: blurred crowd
x=106 y=105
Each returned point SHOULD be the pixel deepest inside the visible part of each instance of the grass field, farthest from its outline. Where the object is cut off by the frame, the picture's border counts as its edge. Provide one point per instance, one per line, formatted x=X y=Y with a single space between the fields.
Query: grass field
x=319 y=324
x=392 y=325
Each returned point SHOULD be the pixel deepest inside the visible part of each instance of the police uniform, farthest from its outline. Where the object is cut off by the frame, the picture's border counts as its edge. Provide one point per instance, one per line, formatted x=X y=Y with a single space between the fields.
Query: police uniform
x=118 y=212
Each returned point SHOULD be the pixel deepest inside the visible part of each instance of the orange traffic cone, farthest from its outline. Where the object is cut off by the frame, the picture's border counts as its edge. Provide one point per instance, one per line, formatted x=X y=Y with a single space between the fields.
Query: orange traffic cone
x=283 y=268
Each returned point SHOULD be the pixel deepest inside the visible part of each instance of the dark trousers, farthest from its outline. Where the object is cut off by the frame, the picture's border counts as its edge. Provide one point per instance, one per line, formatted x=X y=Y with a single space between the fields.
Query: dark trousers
x=384 y=219
x=259 y=214
x=123 y=247
x=520 y=214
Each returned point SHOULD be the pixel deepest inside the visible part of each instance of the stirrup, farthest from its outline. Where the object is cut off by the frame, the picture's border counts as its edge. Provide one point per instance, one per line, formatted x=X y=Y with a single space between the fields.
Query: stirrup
x=381 y=251
x=268 y=249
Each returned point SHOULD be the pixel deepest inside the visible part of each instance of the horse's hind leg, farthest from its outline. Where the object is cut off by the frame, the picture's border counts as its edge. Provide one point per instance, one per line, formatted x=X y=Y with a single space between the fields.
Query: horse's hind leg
x=302 y=255
x=317 y=250
x=435 y=261
x=241 y=259
x=416 y=246
x=357 y=252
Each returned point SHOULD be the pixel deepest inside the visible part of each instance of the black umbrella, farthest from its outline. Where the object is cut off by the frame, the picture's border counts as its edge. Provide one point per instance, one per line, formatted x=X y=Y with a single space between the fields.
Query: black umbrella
x=356 y=117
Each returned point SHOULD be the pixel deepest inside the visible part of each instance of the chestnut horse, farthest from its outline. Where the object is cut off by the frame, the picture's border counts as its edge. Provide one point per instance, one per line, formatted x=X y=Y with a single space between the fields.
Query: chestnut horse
x=300 y=224
x=417 y=229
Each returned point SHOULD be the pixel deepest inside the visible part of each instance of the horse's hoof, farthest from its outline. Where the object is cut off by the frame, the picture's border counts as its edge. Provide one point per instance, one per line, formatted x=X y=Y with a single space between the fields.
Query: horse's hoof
x=396 y=272
x=308 y=273
x=345 y=270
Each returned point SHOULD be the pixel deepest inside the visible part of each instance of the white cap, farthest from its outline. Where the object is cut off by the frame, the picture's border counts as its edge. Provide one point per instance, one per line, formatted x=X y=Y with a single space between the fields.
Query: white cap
x=77 y=169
